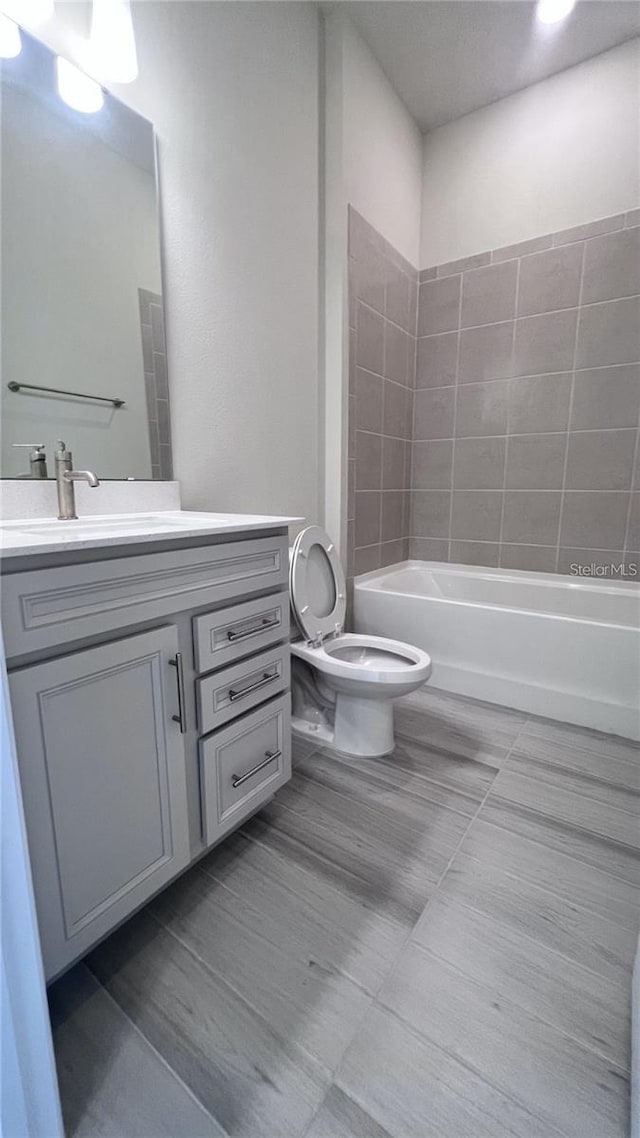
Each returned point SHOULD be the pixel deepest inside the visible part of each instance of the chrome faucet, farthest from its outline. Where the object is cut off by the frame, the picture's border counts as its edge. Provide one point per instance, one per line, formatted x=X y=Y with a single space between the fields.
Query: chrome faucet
x=65 y=478
x=37 y=460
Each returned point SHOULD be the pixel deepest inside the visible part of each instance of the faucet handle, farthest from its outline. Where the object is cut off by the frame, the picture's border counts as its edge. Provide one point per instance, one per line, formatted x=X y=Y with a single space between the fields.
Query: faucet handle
x=32 y=446
x=62 y=448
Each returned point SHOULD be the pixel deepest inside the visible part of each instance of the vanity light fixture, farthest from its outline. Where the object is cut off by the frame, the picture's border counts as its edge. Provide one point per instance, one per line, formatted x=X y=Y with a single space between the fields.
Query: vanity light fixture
x=553 y=11
x=78 y=90
x=10 y=40
x=112 y=45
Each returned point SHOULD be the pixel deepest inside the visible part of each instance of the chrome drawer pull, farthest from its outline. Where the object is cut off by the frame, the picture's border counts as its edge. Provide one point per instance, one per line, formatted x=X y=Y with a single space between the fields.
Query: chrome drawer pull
x=267 y=677
x=265 y=624
x=181 y=717
x=238 y=779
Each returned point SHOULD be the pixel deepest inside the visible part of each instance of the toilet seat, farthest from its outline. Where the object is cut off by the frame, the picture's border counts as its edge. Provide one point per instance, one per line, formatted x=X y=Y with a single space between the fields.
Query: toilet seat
x=367 y=660
x=317 y=587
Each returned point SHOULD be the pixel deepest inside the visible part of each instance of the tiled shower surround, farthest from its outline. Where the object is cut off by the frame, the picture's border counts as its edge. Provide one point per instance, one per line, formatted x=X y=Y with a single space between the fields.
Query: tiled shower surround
x=383 y=303
x=156 y=382
x=525 y=435
x=522 y=449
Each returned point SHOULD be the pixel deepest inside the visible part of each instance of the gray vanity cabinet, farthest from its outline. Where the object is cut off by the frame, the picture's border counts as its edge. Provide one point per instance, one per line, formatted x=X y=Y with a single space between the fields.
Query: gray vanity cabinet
x=150 y=699
x=102 y=768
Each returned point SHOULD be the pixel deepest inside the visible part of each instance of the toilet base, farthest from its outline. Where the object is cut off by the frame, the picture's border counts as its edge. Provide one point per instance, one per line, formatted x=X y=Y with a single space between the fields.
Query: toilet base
x=363 y=727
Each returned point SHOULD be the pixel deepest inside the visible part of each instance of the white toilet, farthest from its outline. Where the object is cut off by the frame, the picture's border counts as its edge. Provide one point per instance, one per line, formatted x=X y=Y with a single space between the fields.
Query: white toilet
x=343 y=697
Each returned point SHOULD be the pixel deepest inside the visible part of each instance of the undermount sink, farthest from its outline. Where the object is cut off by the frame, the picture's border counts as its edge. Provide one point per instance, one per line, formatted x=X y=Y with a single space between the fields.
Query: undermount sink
x=78 y=526
x=23 y=536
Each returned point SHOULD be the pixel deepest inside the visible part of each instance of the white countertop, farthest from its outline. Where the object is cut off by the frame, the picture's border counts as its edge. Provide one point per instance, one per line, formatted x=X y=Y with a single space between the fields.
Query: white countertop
x=48 y=535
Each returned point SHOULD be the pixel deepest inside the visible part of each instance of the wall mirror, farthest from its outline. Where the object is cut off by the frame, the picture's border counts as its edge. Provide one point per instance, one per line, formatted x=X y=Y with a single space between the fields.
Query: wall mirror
x=83 y=343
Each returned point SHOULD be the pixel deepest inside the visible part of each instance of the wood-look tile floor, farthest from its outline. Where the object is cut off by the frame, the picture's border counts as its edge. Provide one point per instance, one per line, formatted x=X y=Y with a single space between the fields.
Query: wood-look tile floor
x=438 y=943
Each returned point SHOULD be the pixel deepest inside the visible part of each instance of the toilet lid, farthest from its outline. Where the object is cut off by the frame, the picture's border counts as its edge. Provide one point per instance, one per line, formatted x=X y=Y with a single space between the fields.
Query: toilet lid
x=316 y=585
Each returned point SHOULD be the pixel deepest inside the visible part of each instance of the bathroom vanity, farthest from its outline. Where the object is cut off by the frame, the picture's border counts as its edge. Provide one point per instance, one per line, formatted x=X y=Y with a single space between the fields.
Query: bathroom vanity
x=148 y=661
x=147 y=647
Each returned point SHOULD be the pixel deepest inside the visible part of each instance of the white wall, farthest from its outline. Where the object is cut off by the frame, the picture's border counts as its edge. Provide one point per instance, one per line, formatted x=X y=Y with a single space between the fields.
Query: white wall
x=79 y=232
x=29 y=1104
x=560 y=153
x=382 y=149
x=372 y=160
x=233 y=91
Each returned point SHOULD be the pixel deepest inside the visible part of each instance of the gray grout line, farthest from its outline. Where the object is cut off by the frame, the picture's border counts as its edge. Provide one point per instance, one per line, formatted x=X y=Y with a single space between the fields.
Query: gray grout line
x=634 y=467
x=165 y=1062
x=528 y=315
x=506 y=444
x=498 y=490
x=570 y=410
x=508 y=378
x=455 y=422
x=480 y=807
x=534 y=252
x=520 y=434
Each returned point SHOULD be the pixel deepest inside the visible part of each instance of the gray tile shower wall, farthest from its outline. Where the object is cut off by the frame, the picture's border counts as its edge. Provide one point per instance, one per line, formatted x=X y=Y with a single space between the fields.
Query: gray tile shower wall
x=156 y=382
x=525 y=446
x=383 y=305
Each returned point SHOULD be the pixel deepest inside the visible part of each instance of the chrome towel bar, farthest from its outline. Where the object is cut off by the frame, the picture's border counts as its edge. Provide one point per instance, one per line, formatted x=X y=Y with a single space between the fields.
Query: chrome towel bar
x=13 y=386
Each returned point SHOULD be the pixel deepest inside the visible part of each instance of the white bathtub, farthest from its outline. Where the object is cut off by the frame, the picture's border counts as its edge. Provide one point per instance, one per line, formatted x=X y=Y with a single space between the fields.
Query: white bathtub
x=550 y=645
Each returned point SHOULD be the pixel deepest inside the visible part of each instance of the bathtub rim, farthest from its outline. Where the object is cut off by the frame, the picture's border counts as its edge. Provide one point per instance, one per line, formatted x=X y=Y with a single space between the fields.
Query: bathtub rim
x=366 y=581
x=494 y=680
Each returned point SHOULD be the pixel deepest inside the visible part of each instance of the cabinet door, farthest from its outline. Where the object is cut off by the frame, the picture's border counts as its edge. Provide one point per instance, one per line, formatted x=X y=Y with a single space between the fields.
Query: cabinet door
x=102 y=769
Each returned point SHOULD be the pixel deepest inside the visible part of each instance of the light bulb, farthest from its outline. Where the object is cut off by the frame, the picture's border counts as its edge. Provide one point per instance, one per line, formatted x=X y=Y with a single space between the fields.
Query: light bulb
x=10 y=41
x=29 y=12
x=77 y=89
x=112 y=44
x=552 y=11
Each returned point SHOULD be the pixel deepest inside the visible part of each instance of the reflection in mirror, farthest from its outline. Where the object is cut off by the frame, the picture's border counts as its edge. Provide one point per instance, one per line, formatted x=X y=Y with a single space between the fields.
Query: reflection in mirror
x=83 y=344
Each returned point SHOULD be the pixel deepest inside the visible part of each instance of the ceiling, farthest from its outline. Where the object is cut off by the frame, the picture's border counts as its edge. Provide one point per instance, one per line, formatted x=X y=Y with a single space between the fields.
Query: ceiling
x=446 y=58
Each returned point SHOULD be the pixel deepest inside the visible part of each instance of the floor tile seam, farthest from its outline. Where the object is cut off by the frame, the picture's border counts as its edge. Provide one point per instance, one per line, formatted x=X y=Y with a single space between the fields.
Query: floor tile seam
x=569 y=771
x=518 y=753
x=533 y=720
x=487 y=741
x=308 y=1128
x=476 y=815
x=428 y=691
x=588 y=830
x=350 y=798
x=452 y=859
x=219 y=978
x=158 y=1054
x=561 y=853
x=551 y=819
x=447 y=753
x=428 y=780
x=466 y=906
x=514 y=1003
x=273 y=944
x=410 y=931
x=411 y=828
x=325 y=861
x=553 y=1132
x=551 y=893
x=290 y=891
x=513 y=746
x=346 y=872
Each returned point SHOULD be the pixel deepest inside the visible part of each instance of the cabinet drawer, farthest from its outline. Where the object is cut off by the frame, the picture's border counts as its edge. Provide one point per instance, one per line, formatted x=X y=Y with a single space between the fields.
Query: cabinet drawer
x=231 y=633
x=241 y=766
x=47 y=607
x=234 y=690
